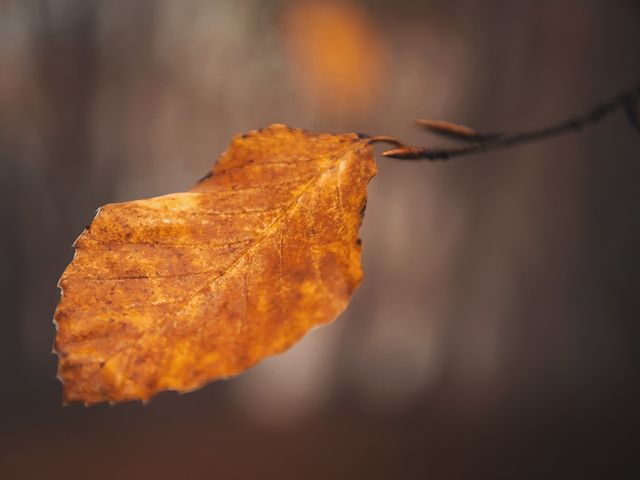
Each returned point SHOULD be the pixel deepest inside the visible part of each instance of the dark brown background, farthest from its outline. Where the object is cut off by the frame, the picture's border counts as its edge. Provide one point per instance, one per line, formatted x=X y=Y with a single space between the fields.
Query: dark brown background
x=495 y=334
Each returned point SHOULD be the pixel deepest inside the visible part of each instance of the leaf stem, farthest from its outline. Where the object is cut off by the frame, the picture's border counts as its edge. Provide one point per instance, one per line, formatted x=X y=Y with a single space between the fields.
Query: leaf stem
x=627 y=101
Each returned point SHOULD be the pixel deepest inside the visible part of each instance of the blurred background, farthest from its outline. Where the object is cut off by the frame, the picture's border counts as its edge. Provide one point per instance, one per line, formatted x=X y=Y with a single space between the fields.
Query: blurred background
x=496 y=332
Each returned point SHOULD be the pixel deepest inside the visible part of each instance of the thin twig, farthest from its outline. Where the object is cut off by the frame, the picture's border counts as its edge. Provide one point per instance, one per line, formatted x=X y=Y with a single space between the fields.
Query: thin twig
x=484 y=142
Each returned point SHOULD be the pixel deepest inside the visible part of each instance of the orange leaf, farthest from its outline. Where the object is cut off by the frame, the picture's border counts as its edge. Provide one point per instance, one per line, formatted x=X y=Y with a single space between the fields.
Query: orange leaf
x=172 y=292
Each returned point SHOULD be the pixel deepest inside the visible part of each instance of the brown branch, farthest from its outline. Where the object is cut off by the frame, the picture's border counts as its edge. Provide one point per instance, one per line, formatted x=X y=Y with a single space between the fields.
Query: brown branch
x=627 y=101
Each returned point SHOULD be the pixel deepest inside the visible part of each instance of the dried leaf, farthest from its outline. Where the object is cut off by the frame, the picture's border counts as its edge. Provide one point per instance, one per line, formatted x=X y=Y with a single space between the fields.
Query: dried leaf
x=172 y=292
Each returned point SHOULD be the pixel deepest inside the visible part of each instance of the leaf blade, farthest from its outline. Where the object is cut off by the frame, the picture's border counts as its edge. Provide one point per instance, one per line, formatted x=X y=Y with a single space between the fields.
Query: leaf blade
x=163 y=312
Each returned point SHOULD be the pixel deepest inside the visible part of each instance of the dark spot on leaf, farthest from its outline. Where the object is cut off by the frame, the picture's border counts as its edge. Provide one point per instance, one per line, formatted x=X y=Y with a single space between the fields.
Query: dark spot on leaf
x=363 y=208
